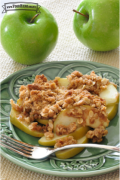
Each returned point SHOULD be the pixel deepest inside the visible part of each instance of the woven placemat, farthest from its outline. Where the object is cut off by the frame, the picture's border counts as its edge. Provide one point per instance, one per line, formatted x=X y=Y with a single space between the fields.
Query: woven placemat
x=10 y=171
x=67 y=48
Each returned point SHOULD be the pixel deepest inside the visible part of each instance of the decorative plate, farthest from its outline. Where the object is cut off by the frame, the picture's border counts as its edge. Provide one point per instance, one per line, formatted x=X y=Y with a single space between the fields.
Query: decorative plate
x=89 y=162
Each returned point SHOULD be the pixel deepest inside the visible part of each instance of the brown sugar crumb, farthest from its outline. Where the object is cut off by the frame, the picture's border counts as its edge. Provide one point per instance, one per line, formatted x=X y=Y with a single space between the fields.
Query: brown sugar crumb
x=49 y=135
x=35 y=126
x=27 y=119
x=65 y=141
x=62 y=129
x=97 y=134
x=50 y=126
x=71 y=127
x=80 y=121
x=40 y=79
x=92 y=82
x=24 y=92
x=48 y=131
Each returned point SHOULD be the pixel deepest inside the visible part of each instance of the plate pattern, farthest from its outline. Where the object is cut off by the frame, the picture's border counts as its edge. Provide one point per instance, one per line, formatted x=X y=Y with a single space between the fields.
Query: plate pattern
x=10 y=89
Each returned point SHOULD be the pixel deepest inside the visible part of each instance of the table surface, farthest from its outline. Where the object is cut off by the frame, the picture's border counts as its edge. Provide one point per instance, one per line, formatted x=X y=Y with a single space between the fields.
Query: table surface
x=67 y=48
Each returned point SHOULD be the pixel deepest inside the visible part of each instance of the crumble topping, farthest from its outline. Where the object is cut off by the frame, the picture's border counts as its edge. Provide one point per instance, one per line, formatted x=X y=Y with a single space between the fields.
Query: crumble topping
x=97 y=134
x=48 y=135
x=92 y=82
x=35 y=126
x=65 y=141
x=45 y=99
x=62 y=129
x=49 y=130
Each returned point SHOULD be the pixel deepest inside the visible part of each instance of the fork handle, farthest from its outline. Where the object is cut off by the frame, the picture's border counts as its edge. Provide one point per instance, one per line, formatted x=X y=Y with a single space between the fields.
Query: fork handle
x=99 y=146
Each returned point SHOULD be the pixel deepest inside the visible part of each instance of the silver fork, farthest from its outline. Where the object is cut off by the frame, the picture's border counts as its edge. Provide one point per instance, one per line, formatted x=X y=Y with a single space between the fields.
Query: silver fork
x=36 y=152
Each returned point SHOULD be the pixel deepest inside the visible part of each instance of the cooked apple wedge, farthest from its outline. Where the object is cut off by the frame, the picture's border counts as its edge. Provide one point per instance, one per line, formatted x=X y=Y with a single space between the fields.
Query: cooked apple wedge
x=110 y=94
x=63 y=82
x=19 y=102
x=22 y=125
x=91 y=119
x=79 y=133
x=43 y=121
x=68 y=153
x=64 y=119
x=111 y=111
x=49 y=142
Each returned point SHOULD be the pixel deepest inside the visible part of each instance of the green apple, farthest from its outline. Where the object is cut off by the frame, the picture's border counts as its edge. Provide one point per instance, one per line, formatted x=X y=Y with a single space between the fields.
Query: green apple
x=100 y=29
x=29 y=42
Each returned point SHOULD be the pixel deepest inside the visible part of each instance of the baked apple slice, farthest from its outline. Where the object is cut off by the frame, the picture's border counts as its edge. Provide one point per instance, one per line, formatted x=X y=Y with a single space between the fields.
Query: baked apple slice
x=111 y=111
x=64 y=119
x=79 y=133
x=22 y=124
x=110 y=94
x=92 y=118
x=68 y=153
x=63 y=82
x=89 y=117
x=43 y=121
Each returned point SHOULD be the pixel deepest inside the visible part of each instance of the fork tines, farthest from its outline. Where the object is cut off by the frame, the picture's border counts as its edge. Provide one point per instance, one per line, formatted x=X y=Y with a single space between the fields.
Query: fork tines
x=16 y=146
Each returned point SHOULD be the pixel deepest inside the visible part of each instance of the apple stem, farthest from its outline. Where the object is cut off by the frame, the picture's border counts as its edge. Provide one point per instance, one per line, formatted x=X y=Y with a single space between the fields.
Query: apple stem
x=80 y=13
x=34 y=18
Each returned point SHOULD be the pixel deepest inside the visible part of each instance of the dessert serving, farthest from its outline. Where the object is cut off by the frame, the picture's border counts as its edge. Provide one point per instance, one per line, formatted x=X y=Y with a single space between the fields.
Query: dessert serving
x=66 y=110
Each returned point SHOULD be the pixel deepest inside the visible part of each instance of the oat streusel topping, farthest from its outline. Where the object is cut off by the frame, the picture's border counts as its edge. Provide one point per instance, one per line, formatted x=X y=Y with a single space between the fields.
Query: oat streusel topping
x=45 y=99
x=97 y=134
x=92 y=82
x=62 y=129
x=65 y=141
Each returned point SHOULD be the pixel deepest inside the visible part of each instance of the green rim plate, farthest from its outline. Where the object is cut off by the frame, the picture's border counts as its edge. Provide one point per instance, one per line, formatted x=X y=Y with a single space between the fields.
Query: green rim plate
x=89 y=162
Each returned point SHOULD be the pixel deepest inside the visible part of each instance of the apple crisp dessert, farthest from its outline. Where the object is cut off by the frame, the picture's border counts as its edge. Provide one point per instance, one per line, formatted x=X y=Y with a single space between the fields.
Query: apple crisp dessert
x=79 y=96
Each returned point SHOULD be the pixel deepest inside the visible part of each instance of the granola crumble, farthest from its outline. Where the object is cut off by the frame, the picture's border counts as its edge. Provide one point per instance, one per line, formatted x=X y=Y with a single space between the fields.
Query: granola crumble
x=97 y=134
x=92 y=82
x=45 y=99
x=65 y=141
x=62 y=129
